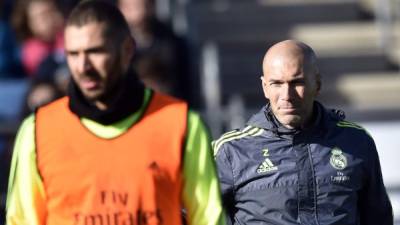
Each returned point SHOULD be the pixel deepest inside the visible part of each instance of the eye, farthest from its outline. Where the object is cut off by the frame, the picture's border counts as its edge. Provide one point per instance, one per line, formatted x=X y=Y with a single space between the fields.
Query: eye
x=299 y=82
x=72 y=54
x=275 y=84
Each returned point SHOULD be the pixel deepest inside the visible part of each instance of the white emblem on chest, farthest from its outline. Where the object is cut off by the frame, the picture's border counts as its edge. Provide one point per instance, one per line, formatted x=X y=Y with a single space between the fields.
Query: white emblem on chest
x=338 y=160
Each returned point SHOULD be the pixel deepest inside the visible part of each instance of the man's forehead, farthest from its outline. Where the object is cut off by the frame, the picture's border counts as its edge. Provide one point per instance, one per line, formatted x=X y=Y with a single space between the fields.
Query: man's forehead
x=85 y=35
x=283 y=62
x=281 y=58
x=90 y=27
x=285 y=76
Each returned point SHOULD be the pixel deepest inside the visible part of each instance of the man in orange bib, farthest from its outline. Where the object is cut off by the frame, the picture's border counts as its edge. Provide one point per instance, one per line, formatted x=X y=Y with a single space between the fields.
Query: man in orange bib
x=112 y=152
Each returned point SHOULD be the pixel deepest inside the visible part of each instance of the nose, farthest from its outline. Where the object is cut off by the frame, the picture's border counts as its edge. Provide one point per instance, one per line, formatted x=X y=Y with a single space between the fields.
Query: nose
x=286 y=92
x=84 y=63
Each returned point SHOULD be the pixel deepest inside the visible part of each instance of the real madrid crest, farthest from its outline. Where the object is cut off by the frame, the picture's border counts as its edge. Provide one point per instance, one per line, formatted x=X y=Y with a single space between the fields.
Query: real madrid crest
x=338 y=160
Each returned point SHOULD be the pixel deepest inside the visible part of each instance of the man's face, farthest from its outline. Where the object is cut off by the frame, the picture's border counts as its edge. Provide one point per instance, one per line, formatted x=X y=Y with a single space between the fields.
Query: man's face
x=96 y=63
x=44 y=19
x=291 y=87
x=134 y=11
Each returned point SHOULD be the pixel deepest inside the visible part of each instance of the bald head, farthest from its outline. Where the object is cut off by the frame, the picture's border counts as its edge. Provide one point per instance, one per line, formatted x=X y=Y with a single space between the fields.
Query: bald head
x=290 y=50
x=291 y=82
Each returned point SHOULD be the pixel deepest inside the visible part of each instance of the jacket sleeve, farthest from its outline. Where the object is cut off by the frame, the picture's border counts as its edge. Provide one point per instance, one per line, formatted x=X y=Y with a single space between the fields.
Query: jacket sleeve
x=225 y=174
x=201 y=193
x=25 y=194
x=374 y=204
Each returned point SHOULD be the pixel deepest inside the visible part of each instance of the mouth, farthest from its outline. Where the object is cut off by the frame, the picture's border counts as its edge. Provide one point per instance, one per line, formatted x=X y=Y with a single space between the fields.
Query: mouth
x=289 y=109
x=89 y=84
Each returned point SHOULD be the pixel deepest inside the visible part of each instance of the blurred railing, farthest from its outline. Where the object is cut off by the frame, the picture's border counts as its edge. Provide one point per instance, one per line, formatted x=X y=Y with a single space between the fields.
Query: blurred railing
x=387 y=19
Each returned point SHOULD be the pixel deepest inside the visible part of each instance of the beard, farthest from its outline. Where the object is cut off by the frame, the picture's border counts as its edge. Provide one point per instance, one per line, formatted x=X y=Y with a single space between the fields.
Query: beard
x=106 y=85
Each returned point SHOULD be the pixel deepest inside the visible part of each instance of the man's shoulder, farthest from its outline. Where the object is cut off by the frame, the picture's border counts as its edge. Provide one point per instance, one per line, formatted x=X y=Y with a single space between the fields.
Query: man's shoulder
x=239 y=137
x=60 y=102
x=28 y=122
x=55 y=109
x=353 y=127
x=352 y=130
x=166 y=98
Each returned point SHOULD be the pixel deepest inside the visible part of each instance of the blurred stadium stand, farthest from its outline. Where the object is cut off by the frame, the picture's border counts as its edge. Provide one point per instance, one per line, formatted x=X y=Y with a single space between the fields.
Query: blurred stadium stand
x=12 y=95
x=352 y=43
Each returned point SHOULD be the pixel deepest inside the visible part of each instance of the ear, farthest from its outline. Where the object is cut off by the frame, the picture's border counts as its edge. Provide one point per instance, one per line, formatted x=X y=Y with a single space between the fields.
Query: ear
x=128 y=50
x=318 y=83
x=264 y=87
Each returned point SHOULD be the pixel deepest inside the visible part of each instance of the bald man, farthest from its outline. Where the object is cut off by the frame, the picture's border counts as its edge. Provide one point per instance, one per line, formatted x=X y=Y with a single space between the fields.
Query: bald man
x=296 y=162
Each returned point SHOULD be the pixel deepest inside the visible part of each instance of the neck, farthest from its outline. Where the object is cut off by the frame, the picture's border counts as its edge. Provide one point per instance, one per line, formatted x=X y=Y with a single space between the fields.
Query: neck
x=100 y=105
x=123 y=103
x=309 y=120
x=104 y=104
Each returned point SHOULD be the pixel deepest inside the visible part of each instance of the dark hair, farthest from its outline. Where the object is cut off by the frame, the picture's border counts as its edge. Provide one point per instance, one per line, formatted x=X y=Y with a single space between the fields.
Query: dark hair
x=116 y=27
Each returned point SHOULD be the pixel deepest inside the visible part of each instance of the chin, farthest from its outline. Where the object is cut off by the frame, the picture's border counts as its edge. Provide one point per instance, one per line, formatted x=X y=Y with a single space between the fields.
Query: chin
x=292 y=121
x=91 y=96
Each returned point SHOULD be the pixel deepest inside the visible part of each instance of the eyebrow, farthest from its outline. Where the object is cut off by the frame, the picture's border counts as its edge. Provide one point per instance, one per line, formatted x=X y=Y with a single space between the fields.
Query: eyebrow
x=273 y=80
x=88 y=50
x=291 y=81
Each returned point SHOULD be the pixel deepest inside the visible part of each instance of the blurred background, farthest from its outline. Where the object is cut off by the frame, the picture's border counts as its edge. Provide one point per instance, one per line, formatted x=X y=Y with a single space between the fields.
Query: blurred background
x=209 y=52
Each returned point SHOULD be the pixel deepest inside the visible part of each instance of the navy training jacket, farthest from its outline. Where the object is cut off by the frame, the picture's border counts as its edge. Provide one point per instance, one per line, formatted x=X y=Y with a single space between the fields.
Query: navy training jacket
x=328 y=174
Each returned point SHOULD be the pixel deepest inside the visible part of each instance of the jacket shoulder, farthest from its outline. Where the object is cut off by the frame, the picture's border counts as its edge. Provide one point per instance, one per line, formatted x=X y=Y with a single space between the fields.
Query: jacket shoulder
x=234 y=136
x=352 y=127
x=337 y=119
